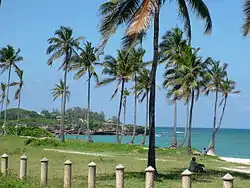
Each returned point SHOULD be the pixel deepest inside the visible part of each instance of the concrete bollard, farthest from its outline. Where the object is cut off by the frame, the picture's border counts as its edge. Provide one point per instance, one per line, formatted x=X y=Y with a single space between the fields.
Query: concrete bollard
x=120 y=176
x=23 y=167
x=150 y=177
x=4 y=164
x=186 y=179
x=92 y=175
x=228 y=181
x=67 y=174
x=44 y=172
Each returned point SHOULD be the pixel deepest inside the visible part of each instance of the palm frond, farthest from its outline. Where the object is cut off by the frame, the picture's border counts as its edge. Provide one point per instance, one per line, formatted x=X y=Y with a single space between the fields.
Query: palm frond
x=246 y=25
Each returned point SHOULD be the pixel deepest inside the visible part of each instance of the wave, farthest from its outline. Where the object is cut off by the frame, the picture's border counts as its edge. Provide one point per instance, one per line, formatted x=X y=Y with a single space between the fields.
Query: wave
x=178 y=132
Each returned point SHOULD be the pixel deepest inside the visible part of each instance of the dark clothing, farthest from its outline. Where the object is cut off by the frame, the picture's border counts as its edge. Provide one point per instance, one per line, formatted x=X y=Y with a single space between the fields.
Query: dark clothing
x=196 y=167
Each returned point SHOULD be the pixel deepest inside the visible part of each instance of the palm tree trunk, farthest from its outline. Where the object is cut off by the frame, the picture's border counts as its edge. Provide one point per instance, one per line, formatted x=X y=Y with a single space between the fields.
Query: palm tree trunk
x=146 y=125
x=222 y=115
x=186 y=127
x=1 y=109
x=62 y=136
x=88 y=110
x=6 y=103
x=119 y=137
x=18 y=107
x=174 y=142
x=135 y=110
x=212 y=146
x=151 y=150
x=124 y=110
x=190 y=124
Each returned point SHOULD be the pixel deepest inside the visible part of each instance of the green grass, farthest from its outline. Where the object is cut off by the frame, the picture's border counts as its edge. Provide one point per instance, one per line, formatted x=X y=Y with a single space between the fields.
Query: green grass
x=170 y=165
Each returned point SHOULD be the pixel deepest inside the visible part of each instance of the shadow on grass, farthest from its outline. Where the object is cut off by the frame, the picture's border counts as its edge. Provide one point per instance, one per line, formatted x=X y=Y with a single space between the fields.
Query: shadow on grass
x=175 y=175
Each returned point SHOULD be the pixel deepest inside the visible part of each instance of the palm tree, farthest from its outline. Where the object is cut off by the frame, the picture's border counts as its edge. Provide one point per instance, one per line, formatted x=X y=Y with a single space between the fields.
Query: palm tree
x=217 y=74
x=137 y=15
x=171 y=48
x=63 y=45
x=121 y=71
x=3 y=96
x=142 y=90
x=8 y=59
x=137 y=60
x=246 y=25
x=190 y=77
x=83 y=63
x=125 y=96
x=20 y=84
x=58 y=92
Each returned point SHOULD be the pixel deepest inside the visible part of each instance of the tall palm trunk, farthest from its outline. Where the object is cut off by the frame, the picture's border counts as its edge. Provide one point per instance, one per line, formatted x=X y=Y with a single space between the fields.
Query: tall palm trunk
x=6 y=101
x=1 y=109
x=146 y=125
x=190 y=124
x=135 y=110
x=18 y=107
x=151 y=150
x=222 y=115
x=119 y=138
x=174 y=142
x=186 y=126
x=212 y=146
x=88 y=110
x=62 y=136
x=124 y=110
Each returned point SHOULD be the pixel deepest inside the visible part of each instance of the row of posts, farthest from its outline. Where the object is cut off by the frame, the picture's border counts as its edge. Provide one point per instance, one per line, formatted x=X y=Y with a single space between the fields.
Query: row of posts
x=186 y=175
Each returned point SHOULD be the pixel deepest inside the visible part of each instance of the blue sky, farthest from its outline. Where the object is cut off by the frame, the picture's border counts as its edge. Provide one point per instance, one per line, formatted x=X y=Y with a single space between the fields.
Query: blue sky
x=27 y=24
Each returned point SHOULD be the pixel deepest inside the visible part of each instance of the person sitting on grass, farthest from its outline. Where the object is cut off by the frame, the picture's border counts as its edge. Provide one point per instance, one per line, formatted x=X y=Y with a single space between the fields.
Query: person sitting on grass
x=196 y=167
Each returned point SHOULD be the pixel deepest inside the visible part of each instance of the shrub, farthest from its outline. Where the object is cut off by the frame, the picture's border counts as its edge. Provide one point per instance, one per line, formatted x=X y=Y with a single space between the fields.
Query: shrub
x=29 y=131
x=42 y=142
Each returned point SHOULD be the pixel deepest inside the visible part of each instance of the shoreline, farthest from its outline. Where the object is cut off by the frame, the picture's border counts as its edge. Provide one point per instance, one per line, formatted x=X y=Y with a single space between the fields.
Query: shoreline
x=244 y=161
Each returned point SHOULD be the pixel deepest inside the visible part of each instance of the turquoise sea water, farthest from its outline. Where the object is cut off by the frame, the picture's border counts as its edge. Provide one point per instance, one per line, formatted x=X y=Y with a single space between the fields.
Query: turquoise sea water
x=229 y=142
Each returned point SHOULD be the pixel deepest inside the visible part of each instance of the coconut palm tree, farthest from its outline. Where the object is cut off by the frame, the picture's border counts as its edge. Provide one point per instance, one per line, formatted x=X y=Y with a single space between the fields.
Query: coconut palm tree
x=137 y=60
x=3 y=96
x=138 y=15
x=246 y=25
x=8 y=59
x=58 y=92
x=17 y=95
x=63 y=45
x=82 y=64
x=171 y=48
x=126 y=93
x=190 y=77
x=119 y=70
x=217 y=73
x=141 y=90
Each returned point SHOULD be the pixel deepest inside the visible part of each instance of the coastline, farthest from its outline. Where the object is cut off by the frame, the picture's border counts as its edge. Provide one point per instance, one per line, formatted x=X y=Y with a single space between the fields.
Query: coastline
x=236 y=160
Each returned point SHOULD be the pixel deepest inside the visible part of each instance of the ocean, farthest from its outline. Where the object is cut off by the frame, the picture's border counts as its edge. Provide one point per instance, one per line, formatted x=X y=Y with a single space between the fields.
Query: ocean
x=229 y=142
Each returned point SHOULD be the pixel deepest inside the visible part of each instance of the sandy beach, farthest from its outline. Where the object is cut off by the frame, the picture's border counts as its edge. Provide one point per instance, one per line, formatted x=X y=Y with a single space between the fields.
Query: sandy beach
x=236 y=160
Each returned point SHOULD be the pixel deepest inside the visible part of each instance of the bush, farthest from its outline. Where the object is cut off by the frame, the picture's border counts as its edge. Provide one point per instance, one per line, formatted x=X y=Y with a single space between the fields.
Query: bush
x=42 y=142
x=29 y=131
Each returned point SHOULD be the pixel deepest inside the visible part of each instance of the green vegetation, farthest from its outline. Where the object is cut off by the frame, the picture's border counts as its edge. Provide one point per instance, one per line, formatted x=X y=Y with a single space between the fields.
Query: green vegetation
x=170 y=162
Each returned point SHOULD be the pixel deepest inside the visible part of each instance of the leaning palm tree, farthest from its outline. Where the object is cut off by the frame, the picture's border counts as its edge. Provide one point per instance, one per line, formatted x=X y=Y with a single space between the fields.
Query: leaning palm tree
x=58 y=92
x=137 y=60
x=82 y=64
x=8 y=59
x=138 y=15
x=63 y=45
x=119 y=70
x=217 y=73
x=141 y=90
x=17 y=95
x=190 y=77
x=3 y=96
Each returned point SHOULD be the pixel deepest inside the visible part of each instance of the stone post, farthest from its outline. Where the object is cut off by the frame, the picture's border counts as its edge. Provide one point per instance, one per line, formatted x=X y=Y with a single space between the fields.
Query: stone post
x=92 y=175
x=23 y=167
x=67 y=174
x=4 y=164
x=228 y=181
x=44 y=172
x=186 y=179
x=120 y=176
x=150 y=177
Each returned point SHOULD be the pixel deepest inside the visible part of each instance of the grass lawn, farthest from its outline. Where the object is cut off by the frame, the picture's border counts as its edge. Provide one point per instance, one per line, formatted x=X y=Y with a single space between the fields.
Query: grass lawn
x=170 y=164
